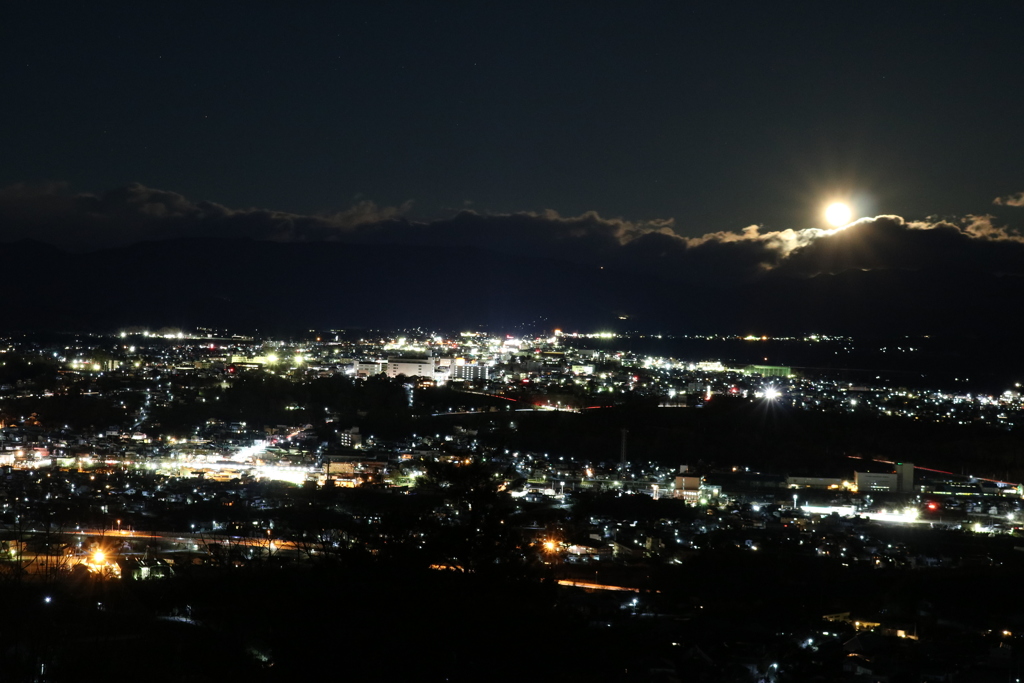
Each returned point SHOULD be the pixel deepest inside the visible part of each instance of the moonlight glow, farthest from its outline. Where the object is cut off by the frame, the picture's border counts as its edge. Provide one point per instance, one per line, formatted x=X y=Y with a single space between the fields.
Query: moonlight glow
x=838 y=214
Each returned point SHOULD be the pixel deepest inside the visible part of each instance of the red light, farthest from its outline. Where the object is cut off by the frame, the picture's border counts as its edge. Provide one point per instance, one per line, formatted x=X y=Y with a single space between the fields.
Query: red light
x=933 y=506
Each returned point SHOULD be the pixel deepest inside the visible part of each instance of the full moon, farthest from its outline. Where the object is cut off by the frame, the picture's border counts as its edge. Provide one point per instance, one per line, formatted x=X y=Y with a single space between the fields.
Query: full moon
x=838 y=214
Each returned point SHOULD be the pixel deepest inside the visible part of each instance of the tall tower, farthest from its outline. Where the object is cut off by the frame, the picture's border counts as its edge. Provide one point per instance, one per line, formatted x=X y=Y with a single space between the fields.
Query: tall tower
x=622 y=460
x=905 y=477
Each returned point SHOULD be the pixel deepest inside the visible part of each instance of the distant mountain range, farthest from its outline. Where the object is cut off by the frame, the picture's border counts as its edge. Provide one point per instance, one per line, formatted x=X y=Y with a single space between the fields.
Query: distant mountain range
x=247 y=285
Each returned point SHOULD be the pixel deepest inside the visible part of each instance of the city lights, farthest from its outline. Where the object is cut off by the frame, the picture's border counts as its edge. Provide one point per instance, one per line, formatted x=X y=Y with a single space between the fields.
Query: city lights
x=535 y=342
x=462 y=391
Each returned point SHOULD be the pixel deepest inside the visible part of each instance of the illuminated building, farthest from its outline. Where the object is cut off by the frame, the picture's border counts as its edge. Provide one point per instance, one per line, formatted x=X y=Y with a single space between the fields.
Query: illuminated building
x=768 y=370
x=876 y=481
x=410 y=367
x=470 y=372
x=367 y=369
x=350 y=438
x=688 y=488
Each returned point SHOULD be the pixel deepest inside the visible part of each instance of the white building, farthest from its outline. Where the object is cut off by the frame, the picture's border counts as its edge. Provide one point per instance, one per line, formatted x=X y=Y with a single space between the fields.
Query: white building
x=368 y=369
x=876 y=481
x=411 y=367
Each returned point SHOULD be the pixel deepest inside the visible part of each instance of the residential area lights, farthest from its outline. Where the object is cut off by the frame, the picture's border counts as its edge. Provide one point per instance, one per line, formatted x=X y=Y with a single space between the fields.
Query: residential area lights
x=217 y=454
x=155 y=384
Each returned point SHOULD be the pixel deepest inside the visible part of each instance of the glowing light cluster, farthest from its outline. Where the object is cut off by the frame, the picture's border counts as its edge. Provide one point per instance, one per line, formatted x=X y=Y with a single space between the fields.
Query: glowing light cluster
x=838 y=214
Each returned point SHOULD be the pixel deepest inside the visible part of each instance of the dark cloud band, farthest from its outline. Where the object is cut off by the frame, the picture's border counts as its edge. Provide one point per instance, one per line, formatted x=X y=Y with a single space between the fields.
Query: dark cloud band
x=50 y=213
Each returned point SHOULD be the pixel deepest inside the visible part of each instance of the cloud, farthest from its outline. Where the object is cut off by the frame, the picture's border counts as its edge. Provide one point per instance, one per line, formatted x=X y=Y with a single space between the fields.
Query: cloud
x=365 y=212
x=135 y=213
x=890 y=243
x=1010 y=200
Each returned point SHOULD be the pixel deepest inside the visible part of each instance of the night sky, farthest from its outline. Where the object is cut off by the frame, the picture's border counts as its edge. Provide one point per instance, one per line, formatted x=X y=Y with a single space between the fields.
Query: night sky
x=601 y=133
